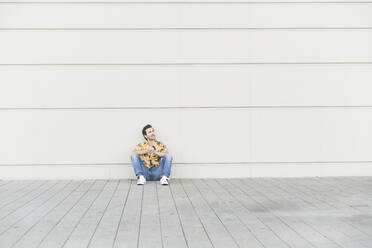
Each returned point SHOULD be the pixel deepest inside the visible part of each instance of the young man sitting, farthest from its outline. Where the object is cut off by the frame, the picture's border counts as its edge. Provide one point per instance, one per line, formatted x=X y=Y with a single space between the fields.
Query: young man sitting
x=150 y=159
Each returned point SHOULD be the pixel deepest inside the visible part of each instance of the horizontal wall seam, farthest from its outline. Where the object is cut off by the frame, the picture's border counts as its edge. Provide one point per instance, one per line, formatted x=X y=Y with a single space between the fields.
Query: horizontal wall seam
x=185 y=29
x=191 y=164
x=187 y=107
x=191 y=64
x=180 y=3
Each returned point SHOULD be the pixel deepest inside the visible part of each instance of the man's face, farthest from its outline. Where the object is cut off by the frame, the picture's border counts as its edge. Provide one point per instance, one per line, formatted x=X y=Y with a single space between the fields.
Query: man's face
x=150 y=133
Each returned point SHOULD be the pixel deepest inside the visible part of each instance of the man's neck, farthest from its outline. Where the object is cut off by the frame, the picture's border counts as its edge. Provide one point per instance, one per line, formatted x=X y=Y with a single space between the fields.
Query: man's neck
x=151 y=142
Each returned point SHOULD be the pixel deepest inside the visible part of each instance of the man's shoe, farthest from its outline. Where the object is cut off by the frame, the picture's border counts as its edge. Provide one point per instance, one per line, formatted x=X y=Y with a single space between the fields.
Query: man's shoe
x=141 y=180
x=164 y=180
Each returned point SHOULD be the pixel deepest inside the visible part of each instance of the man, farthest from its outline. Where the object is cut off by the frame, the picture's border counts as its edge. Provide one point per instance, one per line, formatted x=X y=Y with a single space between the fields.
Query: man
x=150 y=159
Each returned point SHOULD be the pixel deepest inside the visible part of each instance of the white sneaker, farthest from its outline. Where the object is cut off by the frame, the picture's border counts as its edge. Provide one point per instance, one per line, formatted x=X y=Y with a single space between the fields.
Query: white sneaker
x=164 y=180
x=141 y=180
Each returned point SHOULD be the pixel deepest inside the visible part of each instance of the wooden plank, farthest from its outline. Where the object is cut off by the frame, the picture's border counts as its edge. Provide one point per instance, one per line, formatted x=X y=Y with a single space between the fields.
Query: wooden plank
x=7 y=185
x=108 y=226
x=227 y=214
x=60 y=233
x=7 y=209
x=11 y=196
x=217 y=231
x=13 y=186
x=15 y=212
x=359 y=195
x=344 y=194
x=253 y=214
x=296 y=219
x=349 y=194
x=309 y=187
x=296 y=189
x=150 y=233
x=37 y=232
x=171 y=225
x=84 y=231
x=325 y=193
x=270 y=212
x=344 y=218
x=5 y=182
x=268 y=197
x=285 y=187
x=325 y=228
x=249 y=213
x=9 y=237
x=285 y=200
x=194 y=230
x=128 y=230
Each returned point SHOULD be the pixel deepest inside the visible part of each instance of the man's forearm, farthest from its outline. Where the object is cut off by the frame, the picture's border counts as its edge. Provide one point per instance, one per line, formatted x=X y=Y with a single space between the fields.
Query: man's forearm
x=140 y=152
x=161 y=154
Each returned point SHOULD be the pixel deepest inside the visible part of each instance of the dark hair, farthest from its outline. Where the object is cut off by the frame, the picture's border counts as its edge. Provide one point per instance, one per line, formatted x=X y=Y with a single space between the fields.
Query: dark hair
x=144 y=130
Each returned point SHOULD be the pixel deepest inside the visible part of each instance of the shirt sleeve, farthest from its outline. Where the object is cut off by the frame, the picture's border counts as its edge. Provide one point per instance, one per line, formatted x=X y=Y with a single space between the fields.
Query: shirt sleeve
x=163 y=148
x=138 y=147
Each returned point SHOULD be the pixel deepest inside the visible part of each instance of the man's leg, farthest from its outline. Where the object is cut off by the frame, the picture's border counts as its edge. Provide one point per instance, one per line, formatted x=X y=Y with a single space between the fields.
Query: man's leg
x=139 y=167
x=163 y=169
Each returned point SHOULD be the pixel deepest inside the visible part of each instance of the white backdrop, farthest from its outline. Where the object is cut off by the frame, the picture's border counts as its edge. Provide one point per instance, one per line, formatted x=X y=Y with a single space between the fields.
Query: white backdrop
x=244 y=89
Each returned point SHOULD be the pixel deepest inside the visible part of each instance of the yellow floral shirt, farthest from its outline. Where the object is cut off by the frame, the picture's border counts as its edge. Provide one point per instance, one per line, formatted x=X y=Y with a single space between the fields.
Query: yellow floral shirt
x=150 y=160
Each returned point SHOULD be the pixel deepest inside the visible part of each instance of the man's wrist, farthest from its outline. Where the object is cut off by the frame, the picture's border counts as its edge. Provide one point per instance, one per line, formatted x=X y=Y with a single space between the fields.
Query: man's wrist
x=161 y=154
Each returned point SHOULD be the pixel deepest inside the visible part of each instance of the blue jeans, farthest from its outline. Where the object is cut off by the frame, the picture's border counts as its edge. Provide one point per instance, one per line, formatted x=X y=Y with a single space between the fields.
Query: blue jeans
x=155 y=173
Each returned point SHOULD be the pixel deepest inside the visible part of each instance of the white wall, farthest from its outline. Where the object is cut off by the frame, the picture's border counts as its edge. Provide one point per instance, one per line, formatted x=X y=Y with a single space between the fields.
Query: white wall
x=243 y=89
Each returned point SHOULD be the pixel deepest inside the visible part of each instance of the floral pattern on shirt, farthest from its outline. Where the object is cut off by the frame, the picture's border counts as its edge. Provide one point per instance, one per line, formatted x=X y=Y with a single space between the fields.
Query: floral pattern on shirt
x=151 y=160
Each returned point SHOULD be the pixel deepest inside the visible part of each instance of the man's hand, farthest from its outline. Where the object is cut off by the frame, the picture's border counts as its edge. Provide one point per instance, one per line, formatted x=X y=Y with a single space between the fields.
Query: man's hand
x=150 y=150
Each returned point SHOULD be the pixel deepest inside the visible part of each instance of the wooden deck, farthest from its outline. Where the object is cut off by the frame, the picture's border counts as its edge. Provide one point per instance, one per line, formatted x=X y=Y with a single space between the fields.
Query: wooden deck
x=260 y=212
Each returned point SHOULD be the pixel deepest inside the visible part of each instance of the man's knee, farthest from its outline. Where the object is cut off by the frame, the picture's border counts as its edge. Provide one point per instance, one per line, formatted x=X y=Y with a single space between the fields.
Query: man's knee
x=134 y=157
x=168 y=157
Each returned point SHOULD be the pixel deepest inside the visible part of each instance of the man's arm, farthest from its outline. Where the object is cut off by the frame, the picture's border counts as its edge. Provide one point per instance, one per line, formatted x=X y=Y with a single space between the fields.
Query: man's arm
x=163 y=150
x=142 y=151
x=161 y=154
x=151 y=151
